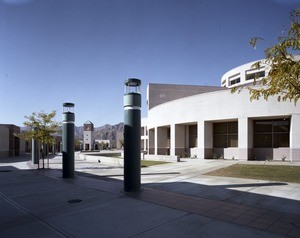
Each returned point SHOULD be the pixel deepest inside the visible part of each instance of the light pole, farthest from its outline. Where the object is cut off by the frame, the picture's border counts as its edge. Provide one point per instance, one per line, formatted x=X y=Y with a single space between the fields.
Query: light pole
x=132 y=135
x=68 y=117
x=35 y=149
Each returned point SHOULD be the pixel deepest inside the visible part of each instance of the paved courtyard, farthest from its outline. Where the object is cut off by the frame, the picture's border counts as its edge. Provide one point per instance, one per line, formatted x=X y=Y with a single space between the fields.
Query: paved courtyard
x=177 y=200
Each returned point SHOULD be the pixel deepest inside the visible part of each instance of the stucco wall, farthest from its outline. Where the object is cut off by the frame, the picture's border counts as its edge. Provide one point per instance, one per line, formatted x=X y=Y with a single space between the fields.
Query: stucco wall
x=4 y=142
x=161 y=93
x=217 y=106
x=206 y=108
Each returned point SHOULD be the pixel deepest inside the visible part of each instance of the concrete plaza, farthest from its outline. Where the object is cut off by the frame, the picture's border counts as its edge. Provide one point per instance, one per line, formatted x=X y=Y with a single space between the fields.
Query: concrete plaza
x=177 y=200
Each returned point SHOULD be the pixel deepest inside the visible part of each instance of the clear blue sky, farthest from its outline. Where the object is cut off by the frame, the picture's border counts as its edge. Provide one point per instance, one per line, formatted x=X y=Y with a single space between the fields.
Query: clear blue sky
x=81 y=51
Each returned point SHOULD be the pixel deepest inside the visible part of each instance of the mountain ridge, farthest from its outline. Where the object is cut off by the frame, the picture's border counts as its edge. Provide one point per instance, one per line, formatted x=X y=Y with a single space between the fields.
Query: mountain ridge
x=105 y=132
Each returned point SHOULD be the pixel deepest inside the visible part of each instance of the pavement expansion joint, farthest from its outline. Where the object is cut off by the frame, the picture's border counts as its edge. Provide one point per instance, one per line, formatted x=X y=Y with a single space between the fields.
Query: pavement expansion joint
x=160 y=225
x=40 y=220
x=244 y=215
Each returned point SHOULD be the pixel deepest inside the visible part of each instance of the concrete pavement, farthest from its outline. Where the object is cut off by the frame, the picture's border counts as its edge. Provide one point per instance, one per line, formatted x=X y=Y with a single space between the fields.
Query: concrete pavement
x=177 y=200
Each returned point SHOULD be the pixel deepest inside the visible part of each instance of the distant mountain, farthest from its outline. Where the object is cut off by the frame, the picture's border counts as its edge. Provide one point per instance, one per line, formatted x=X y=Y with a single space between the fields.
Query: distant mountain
x=78 y=130
x=106 y=132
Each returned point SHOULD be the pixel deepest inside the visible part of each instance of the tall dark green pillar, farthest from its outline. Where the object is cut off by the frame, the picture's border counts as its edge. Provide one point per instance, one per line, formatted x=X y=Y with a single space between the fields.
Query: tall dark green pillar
x=35 y=150
x=132 y=136
x=68 y=140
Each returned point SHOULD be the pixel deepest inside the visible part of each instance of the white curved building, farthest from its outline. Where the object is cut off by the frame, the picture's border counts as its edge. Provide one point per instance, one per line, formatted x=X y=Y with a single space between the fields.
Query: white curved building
x=211 y=122
x=244 y=74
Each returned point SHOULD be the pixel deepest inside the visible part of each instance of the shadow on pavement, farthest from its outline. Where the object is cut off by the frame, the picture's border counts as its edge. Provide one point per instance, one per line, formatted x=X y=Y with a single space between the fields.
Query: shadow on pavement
x=250 y=194
x=254 y=196
x=16 y=159
x=221 y=202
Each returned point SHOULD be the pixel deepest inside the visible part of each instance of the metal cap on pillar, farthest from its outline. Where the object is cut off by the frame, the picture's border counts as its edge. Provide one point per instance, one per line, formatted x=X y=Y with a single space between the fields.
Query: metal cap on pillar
x=68 y=118
x=132 y=135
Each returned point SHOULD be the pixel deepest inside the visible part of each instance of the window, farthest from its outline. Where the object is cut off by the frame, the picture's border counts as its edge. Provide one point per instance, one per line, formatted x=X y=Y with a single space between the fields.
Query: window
x=271 y=133
x=142 y=131
x=192 y=136
x=235 y=81
x=225 y=134
x=255 y=75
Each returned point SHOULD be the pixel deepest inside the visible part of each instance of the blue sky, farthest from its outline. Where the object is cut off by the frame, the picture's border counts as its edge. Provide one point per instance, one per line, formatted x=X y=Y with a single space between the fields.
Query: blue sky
x=81 y=51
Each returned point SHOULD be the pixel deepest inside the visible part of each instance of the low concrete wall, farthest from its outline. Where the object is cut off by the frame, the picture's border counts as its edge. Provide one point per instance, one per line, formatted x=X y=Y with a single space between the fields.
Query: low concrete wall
x=102 y=159
x=281 y=154
x=295 y=155
x=165 y=158
x=120 y=161
x=194 y=152
x=231 y=153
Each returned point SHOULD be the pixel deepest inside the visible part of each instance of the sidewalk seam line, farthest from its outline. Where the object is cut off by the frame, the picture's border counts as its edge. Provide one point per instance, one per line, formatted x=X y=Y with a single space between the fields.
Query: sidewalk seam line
x=160 y=225
x=31 y=214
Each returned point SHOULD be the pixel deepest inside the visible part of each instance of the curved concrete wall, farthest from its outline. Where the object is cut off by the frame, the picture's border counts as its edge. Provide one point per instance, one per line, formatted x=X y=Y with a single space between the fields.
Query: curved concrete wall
x=204 y=109
x=217 y=106
x=171 y=125
x=240 y=73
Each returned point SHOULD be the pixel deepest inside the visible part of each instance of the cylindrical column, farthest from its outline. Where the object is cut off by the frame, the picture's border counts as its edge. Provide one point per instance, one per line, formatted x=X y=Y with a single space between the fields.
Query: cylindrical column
x=132 y=136
x=68 y=140
x=35 y=149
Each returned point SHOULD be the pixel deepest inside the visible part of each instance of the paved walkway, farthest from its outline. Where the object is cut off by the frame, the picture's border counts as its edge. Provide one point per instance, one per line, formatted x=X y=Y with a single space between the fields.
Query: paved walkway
x=177 y=200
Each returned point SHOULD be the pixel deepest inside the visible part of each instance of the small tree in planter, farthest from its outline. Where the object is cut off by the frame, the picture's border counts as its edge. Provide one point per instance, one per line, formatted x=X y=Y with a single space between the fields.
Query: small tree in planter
x=41 y=127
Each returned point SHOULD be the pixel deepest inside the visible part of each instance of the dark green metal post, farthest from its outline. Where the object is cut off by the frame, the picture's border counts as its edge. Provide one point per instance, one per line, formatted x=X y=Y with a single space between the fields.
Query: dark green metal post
x=34 y=150
x=68 y=140
x=132 y=136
